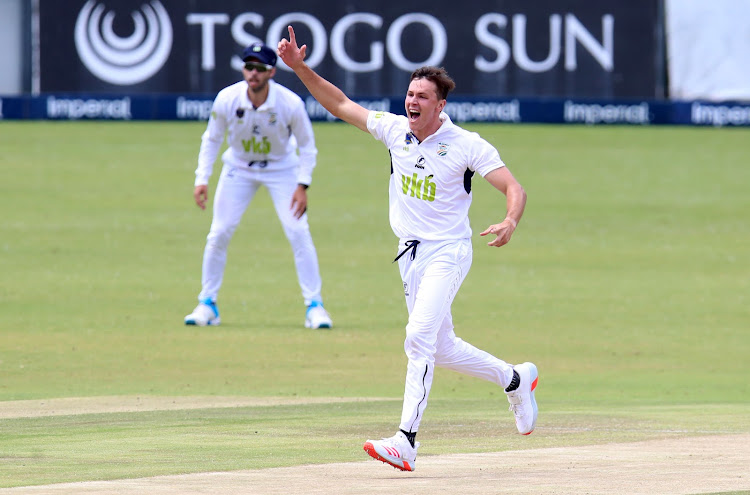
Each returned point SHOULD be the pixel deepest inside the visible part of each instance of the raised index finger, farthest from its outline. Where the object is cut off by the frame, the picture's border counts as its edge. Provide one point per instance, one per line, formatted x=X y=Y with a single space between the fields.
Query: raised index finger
x=292 y=38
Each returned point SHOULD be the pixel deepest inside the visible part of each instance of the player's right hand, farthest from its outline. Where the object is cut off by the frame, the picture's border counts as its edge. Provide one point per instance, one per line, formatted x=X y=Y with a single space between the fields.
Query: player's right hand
x=200 y=193
x=289 y=52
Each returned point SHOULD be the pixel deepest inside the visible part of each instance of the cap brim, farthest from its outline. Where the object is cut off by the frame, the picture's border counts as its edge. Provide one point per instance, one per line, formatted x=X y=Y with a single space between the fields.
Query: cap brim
x=256 y=60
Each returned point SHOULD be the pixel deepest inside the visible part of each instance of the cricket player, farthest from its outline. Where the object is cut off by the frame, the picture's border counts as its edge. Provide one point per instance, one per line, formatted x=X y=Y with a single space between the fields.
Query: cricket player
x=265 y=124
x=432 y=162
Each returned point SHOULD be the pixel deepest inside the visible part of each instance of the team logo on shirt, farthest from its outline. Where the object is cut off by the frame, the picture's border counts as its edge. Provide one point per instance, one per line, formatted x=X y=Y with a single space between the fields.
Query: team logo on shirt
x=408 y=139
x=271 y=118
x=419 y=188
x=442 y=149
x=261 y=147
x=240 y=113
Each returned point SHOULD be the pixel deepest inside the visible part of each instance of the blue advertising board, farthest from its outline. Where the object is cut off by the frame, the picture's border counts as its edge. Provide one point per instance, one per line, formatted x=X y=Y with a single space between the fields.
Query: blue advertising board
x=460 y=109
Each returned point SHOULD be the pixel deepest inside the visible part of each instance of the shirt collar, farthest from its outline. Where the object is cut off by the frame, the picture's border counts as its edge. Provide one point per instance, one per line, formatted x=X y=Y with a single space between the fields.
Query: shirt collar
x=270 y=102
x=446 y=125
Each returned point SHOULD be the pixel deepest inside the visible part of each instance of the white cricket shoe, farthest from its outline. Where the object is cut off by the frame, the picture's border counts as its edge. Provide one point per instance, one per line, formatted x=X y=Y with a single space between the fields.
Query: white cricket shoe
x=396 y=451
x=317 y=316
x=522 y=401
x=205 y=313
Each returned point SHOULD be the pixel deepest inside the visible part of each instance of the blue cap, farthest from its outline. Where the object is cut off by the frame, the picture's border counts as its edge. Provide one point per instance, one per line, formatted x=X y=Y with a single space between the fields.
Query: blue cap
x=262 y=53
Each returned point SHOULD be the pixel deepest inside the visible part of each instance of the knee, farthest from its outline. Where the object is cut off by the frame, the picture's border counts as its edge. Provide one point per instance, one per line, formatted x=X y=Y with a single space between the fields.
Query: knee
x=296 y=230
x=298 y=235
x=219 y=238
x=417 y=346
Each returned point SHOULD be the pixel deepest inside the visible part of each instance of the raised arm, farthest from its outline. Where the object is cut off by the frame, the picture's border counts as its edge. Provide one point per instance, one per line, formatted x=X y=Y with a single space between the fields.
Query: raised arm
x=332 y=98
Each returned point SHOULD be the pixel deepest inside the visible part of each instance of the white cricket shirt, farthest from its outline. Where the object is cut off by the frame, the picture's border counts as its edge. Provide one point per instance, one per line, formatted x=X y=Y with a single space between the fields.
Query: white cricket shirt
x=270 y=133
x=430 y=186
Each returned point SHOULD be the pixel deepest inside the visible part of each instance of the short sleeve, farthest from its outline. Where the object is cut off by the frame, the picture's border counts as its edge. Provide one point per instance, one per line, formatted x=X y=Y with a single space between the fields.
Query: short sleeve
x=484 y=158
x=384 y=126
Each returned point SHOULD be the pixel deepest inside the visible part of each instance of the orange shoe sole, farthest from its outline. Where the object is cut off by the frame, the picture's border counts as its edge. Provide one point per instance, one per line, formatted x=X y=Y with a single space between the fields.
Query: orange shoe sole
x=370 y=449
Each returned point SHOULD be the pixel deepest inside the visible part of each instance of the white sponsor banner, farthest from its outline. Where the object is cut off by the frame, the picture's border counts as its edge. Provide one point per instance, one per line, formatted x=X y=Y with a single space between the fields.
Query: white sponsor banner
x=708 y=49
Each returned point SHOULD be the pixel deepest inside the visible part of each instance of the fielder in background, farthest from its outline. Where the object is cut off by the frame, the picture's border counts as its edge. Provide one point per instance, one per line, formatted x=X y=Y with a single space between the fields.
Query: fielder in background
x=432 y=162
x=265 y=124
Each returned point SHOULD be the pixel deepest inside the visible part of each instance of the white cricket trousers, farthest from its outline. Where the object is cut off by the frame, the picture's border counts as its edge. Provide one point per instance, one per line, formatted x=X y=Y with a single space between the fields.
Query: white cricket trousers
x=431 y=281
x=234 y=192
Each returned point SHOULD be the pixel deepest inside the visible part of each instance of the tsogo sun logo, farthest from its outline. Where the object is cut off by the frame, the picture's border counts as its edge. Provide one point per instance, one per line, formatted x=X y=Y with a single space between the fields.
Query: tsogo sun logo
x=123 y=60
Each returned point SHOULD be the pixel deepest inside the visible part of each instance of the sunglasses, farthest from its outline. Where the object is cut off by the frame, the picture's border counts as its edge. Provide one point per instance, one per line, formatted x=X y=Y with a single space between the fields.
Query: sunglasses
x=257 y=66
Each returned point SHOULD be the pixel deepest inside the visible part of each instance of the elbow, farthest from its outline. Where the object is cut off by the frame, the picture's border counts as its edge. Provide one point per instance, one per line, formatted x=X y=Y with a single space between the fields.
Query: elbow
x=519 y=193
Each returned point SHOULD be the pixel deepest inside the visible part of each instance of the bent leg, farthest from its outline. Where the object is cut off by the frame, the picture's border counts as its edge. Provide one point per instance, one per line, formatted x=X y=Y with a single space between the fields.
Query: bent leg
x=455 y=354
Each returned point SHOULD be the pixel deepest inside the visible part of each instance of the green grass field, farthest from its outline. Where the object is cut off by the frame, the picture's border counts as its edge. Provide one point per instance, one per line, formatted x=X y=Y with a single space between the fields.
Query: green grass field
x=627 y=283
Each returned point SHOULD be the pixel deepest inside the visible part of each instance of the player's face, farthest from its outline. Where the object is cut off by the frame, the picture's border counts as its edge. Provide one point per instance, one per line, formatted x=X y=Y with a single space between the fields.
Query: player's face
x=257 y=75
x=423 y=107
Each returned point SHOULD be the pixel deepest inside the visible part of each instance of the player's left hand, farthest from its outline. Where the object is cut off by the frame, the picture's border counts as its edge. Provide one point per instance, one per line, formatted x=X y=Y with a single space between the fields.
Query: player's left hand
x=299 y=202
x=503 y=231
x=200 y=194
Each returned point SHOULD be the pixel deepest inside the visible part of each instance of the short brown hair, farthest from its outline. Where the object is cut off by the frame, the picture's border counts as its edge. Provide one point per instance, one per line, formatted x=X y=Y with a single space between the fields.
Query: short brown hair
x=437 y=75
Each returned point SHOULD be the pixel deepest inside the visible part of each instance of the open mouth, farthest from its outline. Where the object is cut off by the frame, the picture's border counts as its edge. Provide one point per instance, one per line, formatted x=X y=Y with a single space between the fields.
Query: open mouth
x=413 y=115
